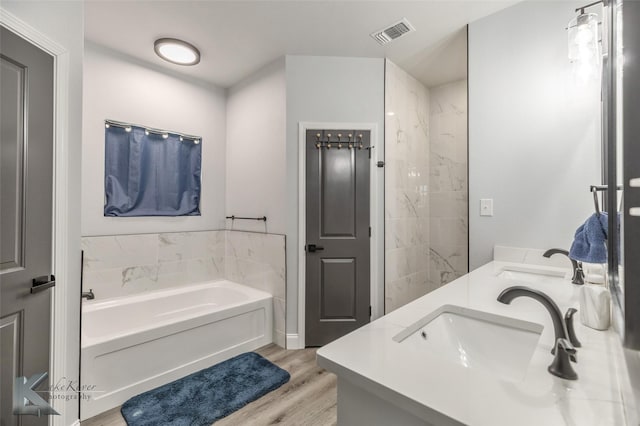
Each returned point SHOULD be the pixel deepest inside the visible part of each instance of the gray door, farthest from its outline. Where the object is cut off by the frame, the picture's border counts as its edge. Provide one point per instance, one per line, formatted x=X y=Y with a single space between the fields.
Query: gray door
x=338 y=234
x=26 y=170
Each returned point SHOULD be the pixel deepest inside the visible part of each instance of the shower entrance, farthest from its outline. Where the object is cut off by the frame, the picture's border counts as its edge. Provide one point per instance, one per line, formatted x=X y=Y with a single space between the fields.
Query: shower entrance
x=337 y=266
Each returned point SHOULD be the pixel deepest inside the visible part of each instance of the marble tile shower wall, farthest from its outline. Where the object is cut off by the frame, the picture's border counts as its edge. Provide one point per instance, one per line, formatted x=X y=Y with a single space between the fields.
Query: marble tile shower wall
x=448 y=189
x=406 y=188
x=122 y=265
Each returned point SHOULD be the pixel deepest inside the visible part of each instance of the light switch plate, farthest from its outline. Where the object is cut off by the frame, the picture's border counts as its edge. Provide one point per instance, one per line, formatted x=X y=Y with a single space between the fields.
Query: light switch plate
x=486 y=207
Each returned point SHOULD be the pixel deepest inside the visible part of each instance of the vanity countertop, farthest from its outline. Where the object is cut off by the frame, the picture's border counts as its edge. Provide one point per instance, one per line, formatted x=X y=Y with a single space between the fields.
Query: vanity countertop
x=445 y=392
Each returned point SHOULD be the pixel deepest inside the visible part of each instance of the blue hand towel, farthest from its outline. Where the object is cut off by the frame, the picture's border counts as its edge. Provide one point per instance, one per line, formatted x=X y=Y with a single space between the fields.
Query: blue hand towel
x=589 y=242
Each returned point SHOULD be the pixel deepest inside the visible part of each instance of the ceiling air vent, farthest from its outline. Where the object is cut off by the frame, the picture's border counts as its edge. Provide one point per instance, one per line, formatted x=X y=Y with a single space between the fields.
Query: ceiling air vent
x=392 y=32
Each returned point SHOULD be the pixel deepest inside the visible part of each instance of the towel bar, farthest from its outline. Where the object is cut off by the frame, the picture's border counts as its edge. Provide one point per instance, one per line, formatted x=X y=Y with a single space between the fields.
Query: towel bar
x=233 y=217
x=594 y=190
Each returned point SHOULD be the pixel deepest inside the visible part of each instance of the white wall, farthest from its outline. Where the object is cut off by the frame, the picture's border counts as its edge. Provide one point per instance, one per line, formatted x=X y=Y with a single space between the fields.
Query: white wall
x=122 y=88
x=63 y=22
x=534 y=134
x=256 y=149
x=328 y=89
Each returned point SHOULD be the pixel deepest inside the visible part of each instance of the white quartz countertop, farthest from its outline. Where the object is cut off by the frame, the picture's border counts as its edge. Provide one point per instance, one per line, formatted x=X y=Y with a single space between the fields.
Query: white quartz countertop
x=443 y=392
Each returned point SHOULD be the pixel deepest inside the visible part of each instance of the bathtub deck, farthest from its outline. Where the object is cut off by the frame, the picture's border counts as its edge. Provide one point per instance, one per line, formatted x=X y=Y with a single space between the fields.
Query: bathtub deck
x=309 y=398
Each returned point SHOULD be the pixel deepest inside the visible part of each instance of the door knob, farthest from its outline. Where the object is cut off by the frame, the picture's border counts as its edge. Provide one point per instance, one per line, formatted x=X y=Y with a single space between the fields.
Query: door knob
x=42 y=283
x=312 y=248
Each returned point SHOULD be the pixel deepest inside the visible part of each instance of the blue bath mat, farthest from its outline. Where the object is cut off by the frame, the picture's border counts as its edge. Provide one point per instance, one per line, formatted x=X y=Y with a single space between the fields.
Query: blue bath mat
x=208 y=395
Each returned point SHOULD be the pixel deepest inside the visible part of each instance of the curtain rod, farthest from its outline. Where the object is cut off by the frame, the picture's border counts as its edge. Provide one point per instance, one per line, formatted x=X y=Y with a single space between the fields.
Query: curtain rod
x=147 y=129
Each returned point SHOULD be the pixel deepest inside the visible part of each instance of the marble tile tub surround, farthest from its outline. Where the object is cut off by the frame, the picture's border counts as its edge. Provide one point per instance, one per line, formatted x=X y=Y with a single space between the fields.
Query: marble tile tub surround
x=406 y=181
x=448 y=189
x=258 y=260
x=121 y=265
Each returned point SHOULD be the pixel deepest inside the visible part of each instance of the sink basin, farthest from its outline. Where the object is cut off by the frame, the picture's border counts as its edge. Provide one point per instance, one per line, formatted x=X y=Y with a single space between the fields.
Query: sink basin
x=473 y=339
x=530 y=274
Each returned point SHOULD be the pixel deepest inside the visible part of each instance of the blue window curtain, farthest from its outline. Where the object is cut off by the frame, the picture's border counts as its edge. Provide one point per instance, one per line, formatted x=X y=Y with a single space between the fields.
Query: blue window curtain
x=149 y=175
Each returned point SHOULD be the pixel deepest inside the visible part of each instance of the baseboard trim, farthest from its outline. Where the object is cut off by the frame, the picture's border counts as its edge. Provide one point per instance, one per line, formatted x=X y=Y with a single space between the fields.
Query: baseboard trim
x=293 y=341
x=280 y=339
x=76 y=423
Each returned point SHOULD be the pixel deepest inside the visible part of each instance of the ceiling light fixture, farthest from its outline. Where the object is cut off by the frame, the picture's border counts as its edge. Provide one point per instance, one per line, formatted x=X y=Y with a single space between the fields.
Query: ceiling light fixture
x=177 y=51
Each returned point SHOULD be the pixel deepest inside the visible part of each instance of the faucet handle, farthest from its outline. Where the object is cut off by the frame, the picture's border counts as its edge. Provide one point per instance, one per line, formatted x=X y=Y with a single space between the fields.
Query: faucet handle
x=561 y=365
x=578 y=273
x=568 y=320
x=567 y=347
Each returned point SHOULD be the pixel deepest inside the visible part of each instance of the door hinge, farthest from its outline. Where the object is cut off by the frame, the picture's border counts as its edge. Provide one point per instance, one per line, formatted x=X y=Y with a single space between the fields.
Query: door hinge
x=369 y=231
x=380 y=164
x=369 y=311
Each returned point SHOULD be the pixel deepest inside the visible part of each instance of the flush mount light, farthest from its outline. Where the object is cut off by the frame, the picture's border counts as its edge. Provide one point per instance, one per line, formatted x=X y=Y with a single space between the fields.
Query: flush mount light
x=177 y=51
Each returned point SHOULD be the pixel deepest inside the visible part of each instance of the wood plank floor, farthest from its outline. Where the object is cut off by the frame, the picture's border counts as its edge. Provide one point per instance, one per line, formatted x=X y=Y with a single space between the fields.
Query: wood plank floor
x=308 y=399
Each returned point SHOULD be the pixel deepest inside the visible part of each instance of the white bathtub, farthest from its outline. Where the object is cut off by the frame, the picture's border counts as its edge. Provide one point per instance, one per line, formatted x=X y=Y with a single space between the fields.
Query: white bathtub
x=133 y=344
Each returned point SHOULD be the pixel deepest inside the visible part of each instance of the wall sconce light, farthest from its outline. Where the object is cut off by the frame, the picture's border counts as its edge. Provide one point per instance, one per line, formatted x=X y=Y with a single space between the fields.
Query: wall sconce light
x=584 y=44
x=177 y=51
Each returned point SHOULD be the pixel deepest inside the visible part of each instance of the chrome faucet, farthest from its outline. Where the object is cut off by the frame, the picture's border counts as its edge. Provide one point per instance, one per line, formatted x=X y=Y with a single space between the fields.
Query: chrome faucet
x=88 y=295
x=564 y=346
x=578 y=272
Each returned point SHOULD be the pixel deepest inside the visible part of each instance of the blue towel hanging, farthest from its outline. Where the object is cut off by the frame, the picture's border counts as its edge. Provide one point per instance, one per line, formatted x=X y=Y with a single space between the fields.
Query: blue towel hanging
x=589 y=242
